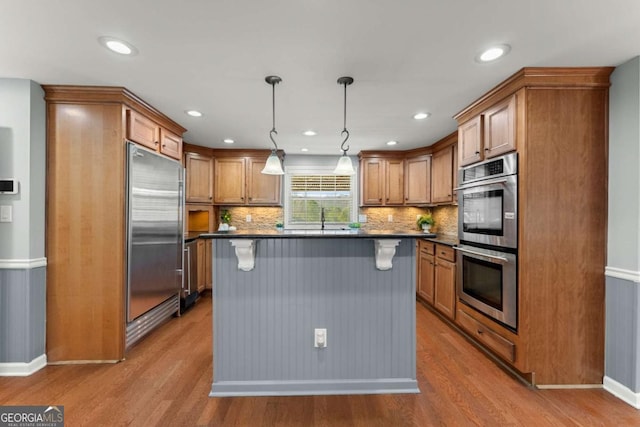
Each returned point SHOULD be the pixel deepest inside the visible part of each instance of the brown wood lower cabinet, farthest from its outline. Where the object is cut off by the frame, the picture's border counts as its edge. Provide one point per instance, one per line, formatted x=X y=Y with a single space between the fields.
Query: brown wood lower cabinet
x=205 y=278
x=437 y=277
x=208 y=264
x=201 y=265
x=426 y=273
x=498 y=344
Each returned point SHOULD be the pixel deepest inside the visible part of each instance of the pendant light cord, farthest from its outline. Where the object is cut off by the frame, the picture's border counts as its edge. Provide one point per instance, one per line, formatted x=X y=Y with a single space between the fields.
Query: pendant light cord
x=345 y=82
x=273 y=80
x=273 y=105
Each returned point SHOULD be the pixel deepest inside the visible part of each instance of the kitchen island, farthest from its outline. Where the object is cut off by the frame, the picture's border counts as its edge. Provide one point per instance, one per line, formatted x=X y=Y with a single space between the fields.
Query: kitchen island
x=272 y=290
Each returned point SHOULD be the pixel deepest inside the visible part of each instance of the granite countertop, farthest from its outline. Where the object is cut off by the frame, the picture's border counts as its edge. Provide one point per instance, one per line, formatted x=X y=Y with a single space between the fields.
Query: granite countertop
x=268 y=234
x=443 y=240
x=190 y=236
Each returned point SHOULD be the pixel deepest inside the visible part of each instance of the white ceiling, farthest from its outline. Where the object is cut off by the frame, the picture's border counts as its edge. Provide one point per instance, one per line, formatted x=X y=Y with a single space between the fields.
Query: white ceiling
x=405 y=56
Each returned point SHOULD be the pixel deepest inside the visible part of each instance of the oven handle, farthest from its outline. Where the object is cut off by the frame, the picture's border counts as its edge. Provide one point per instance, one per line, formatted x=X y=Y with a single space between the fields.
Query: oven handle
x=503 y=259
x=481 y=183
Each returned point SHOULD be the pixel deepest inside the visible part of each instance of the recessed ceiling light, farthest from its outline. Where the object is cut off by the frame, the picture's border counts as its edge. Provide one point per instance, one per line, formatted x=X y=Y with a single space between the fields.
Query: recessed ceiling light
x=194 y=113
x=119 y=46
x=304 y=150
x=421 y=116
x=392 y=143
x=493 y=53
x=309 y=133
x=228 y=141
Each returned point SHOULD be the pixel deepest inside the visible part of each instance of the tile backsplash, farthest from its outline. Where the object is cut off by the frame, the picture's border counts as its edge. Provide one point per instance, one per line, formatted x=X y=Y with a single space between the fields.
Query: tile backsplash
x=262 y=218
x=446 y=218
x=403 y=218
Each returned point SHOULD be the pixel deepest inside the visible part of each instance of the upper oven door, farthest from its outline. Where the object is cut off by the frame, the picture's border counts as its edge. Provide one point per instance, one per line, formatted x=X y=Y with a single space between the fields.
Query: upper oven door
x=488 y=212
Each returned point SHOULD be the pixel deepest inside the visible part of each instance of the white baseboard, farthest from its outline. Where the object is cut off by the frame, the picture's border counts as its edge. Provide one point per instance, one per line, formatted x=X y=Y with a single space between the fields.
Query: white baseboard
x=23 y=369
x=621 y=392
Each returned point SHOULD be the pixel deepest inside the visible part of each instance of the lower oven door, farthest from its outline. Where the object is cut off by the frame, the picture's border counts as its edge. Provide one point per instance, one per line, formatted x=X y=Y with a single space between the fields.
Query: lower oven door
x=487 y=281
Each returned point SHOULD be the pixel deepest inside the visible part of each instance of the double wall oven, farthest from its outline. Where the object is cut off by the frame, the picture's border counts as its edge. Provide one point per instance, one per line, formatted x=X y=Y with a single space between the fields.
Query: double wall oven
x=488 y=233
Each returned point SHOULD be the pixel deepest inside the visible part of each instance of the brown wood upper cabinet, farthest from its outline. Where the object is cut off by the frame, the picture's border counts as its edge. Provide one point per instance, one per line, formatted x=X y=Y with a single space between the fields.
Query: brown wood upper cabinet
x=417 y=181
x=239 y=181
x=442 y=176
x=491 y=133
x=146 y=132
x=382 y=181
x=199 y=178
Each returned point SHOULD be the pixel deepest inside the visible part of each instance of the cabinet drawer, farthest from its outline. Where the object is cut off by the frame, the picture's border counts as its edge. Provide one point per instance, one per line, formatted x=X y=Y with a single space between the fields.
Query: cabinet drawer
x=427 y=247
x=446 y=253
x=501 y=346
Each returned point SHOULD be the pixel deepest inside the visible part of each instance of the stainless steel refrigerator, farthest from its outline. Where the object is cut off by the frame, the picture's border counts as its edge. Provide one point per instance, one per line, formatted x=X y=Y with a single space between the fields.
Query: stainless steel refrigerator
x=154 y=241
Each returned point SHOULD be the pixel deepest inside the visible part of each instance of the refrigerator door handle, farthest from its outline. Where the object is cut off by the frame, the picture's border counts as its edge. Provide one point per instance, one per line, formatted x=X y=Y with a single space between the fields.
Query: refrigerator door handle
x=188 y=249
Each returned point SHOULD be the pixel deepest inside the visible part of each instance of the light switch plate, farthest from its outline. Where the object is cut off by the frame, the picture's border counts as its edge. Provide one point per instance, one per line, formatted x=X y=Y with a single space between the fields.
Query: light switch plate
x=6 y=213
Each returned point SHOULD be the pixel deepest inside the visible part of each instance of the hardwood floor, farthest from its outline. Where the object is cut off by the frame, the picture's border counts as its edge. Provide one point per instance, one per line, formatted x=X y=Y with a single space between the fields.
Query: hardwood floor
x=167 y=377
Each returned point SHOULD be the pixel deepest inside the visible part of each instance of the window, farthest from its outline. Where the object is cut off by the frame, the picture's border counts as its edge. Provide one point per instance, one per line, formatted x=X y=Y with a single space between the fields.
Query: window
x=308 y=193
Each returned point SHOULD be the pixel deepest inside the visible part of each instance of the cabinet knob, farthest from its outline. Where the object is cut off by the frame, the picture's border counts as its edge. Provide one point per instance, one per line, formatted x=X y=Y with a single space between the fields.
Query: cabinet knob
x=380 y=199
x=486 y=149
x=480 y=331
x=477 y=152
x=156 y=142
x=250 y=198
x=210 y=197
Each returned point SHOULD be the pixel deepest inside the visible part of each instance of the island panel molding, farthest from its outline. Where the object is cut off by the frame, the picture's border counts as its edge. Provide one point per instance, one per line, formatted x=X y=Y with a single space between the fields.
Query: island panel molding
x=264 y=319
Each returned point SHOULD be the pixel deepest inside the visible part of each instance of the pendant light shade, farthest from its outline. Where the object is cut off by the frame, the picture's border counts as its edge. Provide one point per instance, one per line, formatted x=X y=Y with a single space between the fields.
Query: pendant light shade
x=273 y=165
x=345 y=166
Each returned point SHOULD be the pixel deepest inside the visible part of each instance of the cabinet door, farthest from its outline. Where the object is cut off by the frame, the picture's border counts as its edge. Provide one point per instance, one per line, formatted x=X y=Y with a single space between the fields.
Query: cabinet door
x=500 y=128
x=394 y=180
x=201 y=275
x=199 y=177
x=142 y=130
x=262 y=189
x=442 y=176
x=417 y=190
x=455 y=174
x=208 y=261
x=372 y=182
x=470 y=141
x=229 y=182
x=426 y=271
x=170 y=144
x=445 y=289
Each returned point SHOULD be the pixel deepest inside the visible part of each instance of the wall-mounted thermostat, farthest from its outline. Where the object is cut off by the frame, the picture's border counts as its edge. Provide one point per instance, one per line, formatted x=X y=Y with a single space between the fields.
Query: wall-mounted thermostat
x=8 y=186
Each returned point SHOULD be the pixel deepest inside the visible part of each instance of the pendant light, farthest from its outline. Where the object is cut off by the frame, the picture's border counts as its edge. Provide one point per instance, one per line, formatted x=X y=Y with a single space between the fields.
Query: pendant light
x=345 y=166
x=273 y=165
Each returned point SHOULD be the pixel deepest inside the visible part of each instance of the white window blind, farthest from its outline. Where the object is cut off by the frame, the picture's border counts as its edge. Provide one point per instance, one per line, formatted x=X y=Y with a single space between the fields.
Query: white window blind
x=307 y=194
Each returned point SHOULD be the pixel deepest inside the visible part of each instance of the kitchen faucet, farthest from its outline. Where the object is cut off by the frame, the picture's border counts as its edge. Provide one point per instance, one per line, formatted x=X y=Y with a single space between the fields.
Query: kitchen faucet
x=322 y=217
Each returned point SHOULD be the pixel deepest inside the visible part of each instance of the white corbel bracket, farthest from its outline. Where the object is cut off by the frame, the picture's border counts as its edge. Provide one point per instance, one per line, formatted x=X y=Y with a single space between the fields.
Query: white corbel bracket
x=245 y=251
x=385 y=250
